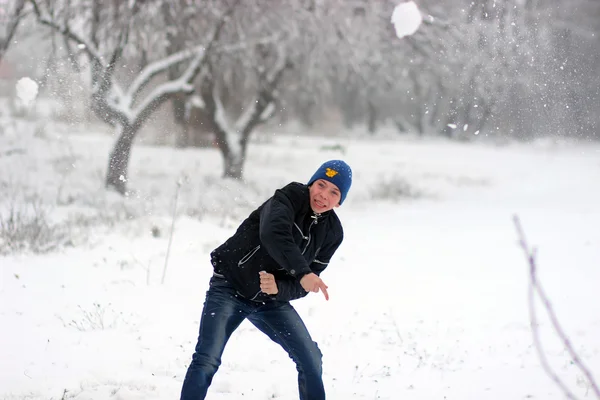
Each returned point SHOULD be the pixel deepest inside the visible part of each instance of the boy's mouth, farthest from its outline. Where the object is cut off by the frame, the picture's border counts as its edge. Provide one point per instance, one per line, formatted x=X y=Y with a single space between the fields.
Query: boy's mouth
x=319 y=203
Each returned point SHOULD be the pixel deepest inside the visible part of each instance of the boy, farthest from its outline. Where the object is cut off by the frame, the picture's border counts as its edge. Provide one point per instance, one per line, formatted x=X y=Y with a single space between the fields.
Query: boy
x=275 y=256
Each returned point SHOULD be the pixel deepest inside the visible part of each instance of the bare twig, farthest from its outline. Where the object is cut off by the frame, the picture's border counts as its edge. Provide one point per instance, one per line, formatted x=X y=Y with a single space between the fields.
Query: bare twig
x=397 y=329
x=172 y=228
x=535 y=287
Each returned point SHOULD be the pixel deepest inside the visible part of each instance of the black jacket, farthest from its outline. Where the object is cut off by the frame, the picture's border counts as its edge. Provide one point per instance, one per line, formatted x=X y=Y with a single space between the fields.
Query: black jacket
x=283 y=237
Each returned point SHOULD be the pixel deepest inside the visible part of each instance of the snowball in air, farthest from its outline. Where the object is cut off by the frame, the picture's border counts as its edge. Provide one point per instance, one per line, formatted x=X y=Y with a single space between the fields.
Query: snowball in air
x=27 y=90
x=406 y=19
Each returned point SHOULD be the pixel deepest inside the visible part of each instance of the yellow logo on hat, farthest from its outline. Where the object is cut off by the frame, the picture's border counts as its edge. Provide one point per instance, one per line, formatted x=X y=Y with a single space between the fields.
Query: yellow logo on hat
x=331 y=172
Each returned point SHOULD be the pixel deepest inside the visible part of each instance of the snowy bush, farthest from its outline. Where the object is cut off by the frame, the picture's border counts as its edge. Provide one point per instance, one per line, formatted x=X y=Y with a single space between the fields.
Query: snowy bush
x=25 y=226
x=334 y=147
x=394 y=188
x=99 y=317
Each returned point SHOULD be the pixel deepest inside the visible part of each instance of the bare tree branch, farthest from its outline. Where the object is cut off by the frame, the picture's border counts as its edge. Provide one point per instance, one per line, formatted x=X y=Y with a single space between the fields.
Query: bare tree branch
x=13 y=23
x=535 y=287
x=116 y=55
x=200 y=59
x=88 y=46
x=214 y=110
x=157 y=67
x=184 y=83
x=104 y=107
x=254 y=114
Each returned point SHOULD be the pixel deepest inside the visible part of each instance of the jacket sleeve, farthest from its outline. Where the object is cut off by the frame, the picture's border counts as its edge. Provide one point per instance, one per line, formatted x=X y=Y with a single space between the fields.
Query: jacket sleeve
x=291 y=289
x=275 y=230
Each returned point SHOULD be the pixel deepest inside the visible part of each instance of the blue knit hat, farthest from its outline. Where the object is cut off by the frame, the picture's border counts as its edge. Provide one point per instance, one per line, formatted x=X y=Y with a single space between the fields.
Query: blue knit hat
x=337 y=172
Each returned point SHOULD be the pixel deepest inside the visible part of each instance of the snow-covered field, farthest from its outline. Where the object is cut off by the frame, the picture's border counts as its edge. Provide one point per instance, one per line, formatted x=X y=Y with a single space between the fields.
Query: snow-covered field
x=428 y=291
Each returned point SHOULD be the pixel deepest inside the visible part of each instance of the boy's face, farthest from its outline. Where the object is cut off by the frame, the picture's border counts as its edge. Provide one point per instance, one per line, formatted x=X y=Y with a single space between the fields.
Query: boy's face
x=324 y=196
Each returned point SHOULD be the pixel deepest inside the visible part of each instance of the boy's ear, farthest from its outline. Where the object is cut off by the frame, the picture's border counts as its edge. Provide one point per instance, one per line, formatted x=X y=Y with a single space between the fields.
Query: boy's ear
x=337 y=205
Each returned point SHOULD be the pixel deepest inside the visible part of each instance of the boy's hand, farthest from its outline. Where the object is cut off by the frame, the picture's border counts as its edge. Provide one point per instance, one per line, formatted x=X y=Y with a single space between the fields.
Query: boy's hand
x=312 y=283
x=267 y=283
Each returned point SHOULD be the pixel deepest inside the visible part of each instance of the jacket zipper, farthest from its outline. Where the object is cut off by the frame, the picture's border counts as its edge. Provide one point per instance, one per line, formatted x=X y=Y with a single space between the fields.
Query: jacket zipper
x=301 y=233
x=315 y=218
x=249 y=255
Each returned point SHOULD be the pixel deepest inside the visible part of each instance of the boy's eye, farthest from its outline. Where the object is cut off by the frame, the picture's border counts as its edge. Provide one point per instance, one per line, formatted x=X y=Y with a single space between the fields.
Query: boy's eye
x=321 y=184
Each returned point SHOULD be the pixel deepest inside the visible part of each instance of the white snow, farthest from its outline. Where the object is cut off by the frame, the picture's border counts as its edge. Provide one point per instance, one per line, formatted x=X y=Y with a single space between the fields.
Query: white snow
x=406 y=18
x=428 y=294
x=27 y=90
x=196 y=101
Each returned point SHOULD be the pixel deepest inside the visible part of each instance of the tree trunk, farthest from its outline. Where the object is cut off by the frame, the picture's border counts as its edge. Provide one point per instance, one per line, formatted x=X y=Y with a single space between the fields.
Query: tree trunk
x=419 y=95
x=400 y=126
x=371 y=117
x=116 y=176
x=451 y=118
x=234 y=155
x=233 y=166
x=486 y=110
x=440 y=101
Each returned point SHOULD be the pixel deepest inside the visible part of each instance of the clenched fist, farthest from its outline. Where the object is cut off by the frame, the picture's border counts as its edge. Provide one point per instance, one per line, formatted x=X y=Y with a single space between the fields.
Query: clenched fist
x=267 y=283
x=312 y=283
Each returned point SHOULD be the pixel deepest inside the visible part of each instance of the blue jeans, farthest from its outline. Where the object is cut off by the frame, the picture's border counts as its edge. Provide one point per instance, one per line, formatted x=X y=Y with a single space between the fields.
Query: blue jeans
x=224 y=310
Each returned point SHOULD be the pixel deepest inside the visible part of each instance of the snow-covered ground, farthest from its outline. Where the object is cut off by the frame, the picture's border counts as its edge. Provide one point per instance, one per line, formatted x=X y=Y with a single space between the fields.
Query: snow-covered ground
x=428 y=291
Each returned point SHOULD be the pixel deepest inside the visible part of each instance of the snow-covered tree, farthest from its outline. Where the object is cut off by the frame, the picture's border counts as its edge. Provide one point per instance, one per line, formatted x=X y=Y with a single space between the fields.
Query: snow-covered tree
x=240 y=90
x=127 y=106
x=497 y=64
